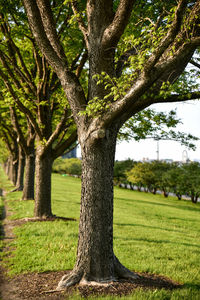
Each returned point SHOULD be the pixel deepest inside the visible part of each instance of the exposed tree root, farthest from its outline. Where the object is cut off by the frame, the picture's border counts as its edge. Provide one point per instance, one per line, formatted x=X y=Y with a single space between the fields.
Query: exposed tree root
x=122 y=272
x=97 y=283
x=69 y=280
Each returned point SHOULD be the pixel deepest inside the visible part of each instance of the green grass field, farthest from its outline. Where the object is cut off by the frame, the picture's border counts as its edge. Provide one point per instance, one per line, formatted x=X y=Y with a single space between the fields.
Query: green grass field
x=151 y=234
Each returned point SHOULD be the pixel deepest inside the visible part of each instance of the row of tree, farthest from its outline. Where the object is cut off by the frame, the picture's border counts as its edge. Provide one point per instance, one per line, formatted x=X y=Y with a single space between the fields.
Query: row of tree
x=100 y=62
x=178 y=178
x=36 y=121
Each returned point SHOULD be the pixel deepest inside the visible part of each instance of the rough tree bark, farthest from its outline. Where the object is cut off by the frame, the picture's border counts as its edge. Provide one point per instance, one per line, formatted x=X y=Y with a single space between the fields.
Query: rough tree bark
x=20 y=171
x=28 y=190
x=95 y=257
x=13 y=168
x=43 y=169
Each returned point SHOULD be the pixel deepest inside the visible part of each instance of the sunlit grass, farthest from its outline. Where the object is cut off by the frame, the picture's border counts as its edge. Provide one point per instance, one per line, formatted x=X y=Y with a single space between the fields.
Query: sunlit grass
x=158 y=235
x=151 y=234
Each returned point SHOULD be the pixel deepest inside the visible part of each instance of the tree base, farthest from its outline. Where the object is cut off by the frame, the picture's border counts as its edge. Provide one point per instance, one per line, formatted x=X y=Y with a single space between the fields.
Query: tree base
x=78 y=276
x=17 y=189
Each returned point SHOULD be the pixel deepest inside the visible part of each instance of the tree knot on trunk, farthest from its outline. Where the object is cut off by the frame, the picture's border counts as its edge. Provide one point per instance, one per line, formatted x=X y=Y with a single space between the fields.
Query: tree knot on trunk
x=98 y=134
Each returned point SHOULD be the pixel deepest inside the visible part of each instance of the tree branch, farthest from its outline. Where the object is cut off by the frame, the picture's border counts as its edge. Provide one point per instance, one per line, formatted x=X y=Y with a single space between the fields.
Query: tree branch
x=10 y=73
x=16 y=125
x=50 y=28
x=114 y=31
x=194 y=63
x=169 y=38
x=80 y=21
x=122 y=62
x=13 y=49
x=81 y=64
x=30 y=84
x=57 y=131
x=178 y=97
x=23 y=108
x=40 y=35
x=133 y=102
x=65 y=145
x=69 y=81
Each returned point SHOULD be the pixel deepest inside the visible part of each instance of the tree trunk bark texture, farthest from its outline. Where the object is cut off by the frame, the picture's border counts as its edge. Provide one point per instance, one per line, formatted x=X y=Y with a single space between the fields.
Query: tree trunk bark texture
x=43 y=169
x=95 y=258
x=28 y=191
x=13 y=167
x=20 y=172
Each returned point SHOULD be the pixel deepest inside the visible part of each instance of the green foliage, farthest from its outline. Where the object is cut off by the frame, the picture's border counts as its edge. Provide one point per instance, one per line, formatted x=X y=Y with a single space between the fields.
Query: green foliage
x=180 y=179
x=157 y=125
x=71 y=166
x=142 y=175
x=191 y=179
x=120 y=169
x=3 y=152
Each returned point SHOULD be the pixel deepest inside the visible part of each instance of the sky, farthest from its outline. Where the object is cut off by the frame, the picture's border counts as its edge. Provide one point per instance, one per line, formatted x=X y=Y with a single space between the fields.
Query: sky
x=189 y=113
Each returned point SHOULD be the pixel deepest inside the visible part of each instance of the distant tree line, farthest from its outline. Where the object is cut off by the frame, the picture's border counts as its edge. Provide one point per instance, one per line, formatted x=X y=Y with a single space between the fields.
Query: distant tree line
x=70 y=166
x=181 y=179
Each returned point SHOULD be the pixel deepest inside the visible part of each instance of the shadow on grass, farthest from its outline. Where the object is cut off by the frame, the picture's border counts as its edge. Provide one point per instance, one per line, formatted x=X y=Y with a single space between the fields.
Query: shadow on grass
x=192 y=286
x=156 y=241
x=160 y=204
x=38 y=219
x=64 y=201
x=148 y=227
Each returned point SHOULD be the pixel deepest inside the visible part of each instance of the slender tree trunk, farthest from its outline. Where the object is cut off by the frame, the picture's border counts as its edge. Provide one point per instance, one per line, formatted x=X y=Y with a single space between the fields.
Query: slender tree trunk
x=194 y=198
x=28 y=191
x=7 y=166
x=179 y=196
x=20 y=171
x=13 y=167
x=95 y=257
x=43 y=169
x=165 y=194
x=10 y=168
x=14 y=171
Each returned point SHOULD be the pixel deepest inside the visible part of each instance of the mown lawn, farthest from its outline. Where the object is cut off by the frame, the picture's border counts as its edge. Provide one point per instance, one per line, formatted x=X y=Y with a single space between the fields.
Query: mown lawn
x=151 y=234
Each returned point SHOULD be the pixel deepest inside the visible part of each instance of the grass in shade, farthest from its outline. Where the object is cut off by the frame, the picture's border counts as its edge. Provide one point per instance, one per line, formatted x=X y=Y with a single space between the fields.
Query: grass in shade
x=151 y=234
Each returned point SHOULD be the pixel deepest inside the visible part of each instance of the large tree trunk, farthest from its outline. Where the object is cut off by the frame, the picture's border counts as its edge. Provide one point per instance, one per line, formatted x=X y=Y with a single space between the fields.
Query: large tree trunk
x=28 y=191
x=95 y=257
x=43 y=169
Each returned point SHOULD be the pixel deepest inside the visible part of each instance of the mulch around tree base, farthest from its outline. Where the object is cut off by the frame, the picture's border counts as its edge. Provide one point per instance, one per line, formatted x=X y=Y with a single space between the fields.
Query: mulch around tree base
x=37 y=286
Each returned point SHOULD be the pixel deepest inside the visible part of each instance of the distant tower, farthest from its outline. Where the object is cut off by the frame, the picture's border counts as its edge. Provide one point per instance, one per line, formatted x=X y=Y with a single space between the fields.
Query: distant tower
x=157 y=151
x=185 y=157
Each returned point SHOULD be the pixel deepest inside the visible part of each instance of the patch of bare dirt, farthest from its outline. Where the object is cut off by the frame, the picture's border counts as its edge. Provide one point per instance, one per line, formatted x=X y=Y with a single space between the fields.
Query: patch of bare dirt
x=39 y=286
